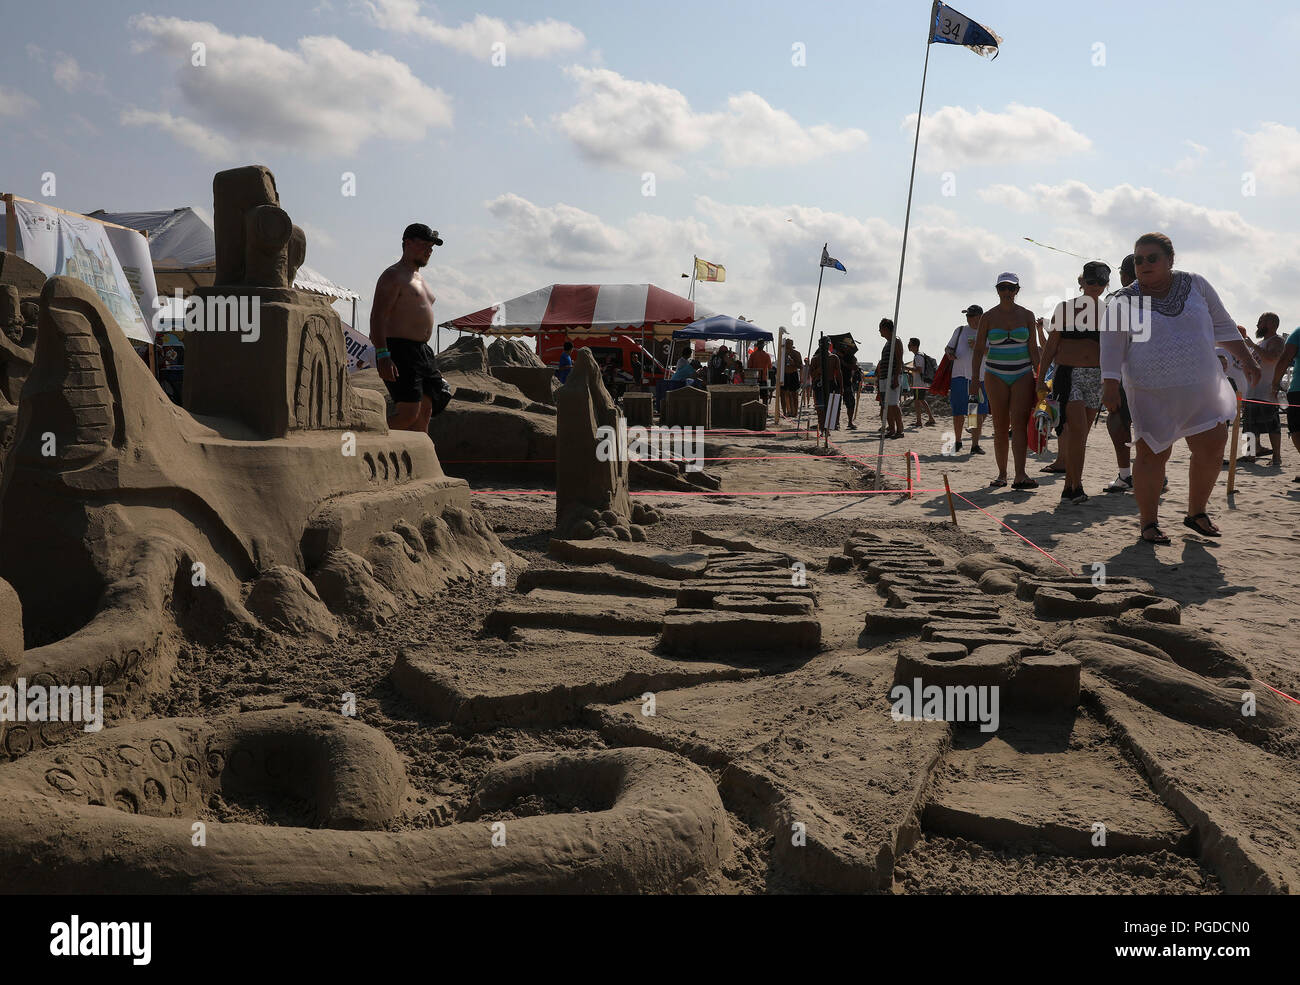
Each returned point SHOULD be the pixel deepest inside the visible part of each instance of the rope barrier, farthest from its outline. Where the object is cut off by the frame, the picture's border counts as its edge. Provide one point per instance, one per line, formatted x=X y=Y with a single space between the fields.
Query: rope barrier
x=1014 y=531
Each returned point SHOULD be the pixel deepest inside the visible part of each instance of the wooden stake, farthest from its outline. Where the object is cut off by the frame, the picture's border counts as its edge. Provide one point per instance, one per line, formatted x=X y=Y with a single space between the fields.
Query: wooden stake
x=951 y=509
x=1232 y=459
x=909 y=473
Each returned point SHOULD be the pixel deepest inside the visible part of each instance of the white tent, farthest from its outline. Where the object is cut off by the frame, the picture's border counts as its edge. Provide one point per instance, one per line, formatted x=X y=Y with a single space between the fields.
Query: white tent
x=184 y=250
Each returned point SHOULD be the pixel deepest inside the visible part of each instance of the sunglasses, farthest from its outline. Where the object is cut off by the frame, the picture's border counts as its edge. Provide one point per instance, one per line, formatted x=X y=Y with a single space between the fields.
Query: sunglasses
x=1008 y=287
x=1149 y=259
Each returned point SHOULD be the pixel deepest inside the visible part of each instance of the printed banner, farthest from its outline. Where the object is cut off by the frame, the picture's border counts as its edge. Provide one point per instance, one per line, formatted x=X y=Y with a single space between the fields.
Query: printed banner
x=63 y=244
x=361 y=351
x=132 y=251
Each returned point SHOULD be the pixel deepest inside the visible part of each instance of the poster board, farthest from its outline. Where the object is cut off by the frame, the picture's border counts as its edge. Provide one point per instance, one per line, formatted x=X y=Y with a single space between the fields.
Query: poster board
x=833 y=404
x=361 y=351
x=62 y=243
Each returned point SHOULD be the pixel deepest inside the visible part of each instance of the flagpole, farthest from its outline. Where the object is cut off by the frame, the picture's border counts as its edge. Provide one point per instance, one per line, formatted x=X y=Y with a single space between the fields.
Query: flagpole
x=821 y=267
x=902 y=260
x=690 y=294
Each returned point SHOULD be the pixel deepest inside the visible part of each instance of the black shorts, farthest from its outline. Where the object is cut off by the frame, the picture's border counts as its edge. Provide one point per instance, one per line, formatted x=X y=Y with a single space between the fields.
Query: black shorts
x=1260 y=418
x=850 y=400
x=1061 y=391
x=417 y=372
x=792 y=382
x=1293 y=412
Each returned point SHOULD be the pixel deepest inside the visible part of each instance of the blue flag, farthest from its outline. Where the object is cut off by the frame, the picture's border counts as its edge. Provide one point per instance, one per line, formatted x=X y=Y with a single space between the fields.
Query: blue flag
x=950 y=27
x=830 y=261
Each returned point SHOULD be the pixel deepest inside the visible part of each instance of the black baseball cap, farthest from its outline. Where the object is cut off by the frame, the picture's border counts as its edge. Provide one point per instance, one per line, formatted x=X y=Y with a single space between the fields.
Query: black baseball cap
x=418 y=230
x=974 y=309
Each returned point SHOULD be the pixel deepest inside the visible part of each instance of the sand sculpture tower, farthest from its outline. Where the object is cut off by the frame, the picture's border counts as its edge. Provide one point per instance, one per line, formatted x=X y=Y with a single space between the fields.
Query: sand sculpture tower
x=590 y=488
x=257 y=350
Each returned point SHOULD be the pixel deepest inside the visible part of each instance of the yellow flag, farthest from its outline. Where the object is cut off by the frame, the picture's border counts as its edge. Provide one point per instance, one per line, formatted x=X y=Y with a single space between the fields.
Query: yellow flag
x=709 y=271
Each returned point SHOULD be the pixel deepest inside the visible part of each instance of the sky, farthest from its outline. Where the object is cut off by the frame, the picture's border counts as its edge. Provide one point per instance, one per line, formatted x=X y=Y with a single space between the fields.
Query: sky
x=609 y=142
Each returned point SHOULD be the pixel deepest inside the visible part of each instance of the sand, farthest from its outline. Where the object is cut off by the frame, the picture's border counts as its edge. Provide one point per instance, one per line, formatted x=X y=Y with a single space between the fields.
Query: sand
x=496 y=700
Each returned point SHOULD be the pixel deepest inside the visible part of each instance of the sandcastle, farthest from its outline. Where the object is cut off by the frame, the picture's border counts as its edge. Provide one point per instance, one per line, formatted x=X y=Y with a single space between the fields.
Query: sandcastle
x=715 y=694
x=127 y=523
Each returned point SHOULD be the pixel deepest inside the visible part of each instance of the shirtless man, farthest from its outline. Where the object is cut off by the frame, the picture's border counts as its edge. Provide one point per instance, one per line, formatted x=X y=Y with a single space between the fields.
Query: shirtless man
x=401 y=321
x=833 y=377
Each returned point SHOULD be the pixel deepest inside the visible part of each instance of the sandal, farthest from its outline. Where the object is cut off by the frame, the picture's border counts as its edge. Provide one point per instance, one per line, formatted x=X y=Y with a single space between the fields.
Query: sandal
x=1159 y=538
x=999 y=482
x=1025 y=484
x=1052 y=469
x=1191 y=521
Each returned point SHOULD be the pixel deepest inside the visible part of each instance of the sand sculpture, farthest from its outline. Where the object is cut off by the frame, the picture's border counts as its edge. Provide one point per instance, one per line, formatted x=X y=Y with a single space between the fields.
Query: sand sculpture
x=492 y=426
x=591 y=494
x=771 y=674
x=127 y=523
x=117 y=813
x=20 y=286
x=513 y=362
x=1102 y=688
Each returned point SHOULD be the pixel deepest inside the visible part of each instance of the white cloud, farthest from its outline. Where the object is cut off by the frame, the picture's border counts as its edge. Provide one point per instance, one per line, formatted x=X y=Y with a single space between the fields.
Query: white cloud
x=945 y=255
x=788 y=251
x=316 y=236
x=15 y=103
x=1192 y=161
x=182 y=130
x=324 y=97
x=1123 y=213
x=953 y=137
x=1273 y=153
x=540 y=39
x=619 y=122
x=565 y=237
x=754 y=133
x=70 y=76
x=1252 y=268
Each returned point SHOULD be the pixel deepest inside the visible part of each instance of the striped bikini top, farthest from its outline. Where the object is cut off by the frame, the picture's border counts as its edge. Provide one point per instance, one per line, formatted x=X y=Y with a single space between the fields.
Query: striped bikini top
x=1008 y=349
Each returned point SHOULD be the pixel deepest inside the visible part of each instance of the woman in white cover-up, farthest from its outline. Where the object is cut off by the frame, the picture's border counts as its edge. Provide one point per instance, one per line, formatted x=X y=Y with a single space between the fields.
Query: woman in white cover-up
x=1159 y=337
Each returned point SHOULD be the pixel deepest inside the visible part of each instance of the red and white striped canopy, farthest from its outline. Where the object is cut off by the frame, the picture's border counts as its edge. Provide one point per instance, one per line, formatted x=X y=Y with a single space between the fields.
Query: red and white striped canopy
x=585 y=310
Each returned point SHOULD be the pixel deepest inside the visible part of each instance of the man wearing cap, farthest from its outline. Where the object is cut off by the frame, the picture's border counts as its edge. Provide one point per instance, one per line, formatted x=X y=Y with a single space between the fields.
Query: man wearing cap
x=961 y=347
x=401 y=321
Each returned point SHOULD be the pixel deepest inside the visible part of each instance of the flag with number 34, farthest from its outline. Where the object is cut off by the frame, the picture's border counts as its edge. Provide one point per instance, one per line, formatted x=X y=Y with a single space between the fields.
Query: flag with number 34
x=951 y=27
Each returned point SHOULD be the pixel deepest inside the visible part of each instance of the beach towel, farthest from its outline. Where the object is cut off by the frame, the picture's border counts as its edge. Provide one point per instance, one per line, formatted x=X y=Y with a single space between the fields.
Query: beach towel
x=942 y=382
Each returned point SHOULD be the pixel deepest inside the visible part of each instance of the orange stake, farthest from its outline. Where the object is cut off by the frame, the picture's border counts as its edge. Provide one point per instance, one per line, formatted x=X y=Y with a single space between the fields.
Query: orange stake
x=951 y=509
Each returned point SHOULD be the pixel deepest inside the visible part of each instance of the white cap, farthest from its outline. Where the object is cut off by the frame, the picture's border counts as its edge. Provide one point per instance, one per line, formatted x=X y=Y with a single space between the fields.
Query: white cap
x=1008 y=278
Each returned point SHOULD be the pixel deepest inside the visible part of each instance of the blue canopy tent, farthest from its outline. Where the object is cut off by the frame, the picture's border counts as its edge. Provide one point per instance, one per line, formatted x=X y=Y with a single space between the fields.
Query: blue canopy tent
x=723 y=327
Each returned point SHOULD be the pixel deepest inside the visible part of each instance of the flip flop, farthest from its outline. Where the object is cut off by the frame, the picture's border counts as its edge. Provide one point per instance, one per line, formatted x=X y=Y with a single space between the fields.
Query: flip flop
x=1048 y=468
x=1190 y=521
x=1025 y=484
x=1159 y=538
x=999 y=482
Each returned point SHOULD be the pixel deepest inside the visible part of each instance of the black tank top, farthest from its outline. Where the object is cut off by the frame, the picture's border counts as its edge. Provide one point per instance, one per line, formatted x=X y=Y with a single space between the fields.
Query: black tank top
x=1074 y=329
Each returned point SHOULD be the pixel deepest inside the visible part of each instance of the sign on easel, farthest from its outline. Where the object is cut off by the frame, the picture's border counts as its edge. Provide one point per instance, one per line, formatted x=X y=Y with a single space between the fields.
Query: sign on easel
x=833 y=403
